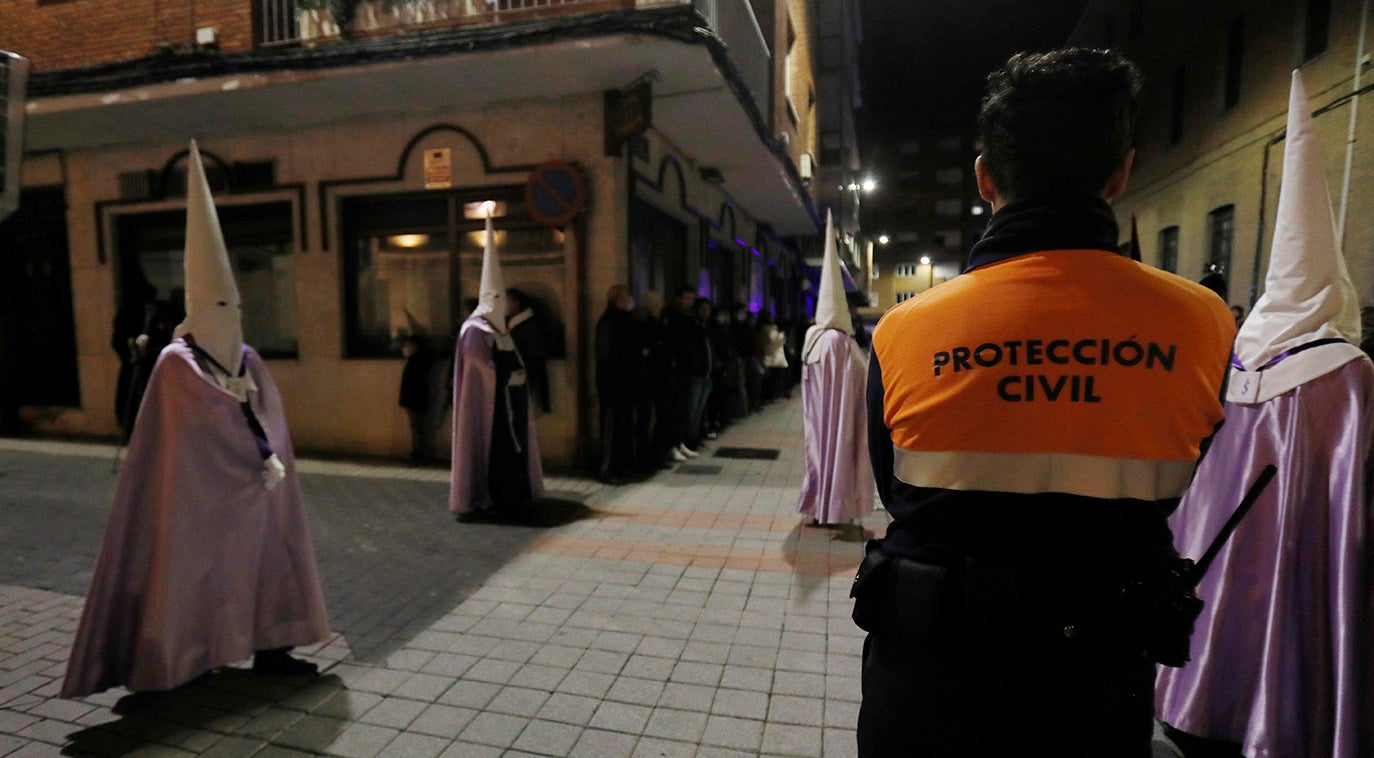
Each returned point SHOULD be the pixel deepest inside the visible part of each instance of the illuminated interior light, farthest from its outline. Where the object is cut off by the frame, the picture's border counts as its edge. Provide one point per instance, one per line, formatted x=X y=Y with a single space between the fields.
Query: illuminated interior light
x=408 y=241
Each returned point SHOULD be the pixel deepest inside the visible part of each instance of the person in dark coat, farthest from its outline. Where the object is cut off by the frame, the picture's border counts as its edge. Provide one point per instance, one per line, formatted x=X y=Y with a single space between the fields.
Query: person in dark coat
x=745 y=339
x=617 y=365
x=693 y=358
x=529 y=328
x=1216 y=282
x=142 y=327
x=415 y=393
x=656 y=406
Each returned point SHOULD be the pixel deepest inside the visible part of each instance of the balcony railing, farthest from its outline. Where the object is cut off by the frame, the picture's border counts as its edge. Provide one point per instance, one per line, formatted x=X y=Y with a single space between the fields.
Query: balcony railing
x=286 y=22
x=311 y=21
x=734 y=22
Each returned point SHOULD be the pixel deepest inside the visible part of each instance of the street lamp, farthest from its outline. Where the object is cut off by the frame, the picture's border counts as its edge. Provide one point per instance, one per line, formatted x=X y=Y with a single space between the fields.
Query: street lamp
x=869 y=184
x=882 y=239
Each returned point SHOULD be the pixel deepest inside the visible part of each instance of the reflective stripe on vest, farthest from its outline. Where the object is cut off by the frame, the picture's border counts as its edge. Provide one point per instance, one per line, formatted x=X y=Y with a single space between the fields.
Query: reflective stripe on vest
x=1029 y=473
x=1068 y=370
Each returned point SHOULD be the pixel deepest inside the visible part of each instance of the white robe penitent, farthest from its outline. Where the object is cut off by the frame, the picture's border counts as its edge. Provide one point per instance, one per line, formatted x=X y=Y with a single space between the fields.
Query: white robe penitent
x=201 y=565
x=837 y=484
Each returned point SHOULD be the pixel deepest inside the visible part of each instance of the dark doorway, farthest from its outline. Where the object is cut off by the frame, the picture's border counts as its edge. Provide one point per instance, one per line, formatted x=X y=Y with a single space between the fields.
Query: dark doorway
x=37 y=327
x=658 y=247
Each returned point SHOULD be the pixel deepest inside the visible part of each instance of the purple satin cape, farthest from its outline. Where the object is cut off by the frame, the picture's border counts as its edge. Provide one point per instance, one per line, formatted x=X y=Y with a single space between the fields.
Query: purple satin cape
x=837 y=484
x=474 y=406
x=1281 y=656
x=200 y=565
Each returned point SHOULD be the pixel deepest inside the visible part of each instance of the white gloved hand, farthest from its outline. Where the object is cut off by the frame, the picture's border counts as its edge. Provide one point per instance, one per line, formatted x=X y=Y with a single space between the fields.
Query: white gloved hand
x=273 y=471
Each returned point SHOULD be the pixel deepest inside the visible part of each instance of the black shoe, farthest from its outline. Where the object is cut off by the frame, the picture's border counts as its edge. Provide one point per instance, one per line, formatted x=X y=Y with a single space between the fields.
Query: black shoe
x=278 y=663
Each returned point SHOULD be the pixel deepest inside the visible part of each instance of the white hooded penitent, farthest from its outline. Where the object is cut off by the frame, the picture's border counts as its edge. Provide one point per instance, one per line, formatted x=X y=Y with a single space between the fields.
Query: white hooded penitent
x=832 y=309
x=1308 y=295
x=213 y=318
x=491 y=298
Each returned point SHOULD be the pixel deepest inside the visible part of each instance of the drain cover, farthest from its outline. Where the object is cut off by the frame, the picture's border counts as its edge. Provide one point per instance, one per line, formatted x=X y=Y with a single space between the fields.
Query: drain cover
x=704 y=469
x=749 y=453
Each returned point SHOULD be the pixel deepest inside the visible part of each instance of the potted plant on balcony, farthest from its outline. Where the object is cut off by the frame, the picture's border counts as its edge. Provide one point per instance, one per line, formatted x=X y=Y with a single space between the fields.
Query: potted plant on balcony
x=316 y=20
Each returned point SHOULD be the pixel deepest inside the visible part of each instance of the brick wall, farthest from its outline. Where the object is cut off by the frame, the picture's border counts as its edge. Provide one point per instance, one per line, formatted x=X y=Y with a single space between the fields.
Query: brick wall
x=58 y=34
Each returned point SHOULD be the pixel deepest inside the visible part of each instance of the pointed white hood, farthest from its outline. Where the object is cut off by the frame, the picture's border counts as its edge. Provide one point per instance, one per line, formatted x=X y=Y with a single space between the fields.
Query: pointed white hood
x=491 y=298
x=1308 y=295
x=212 y=298
x=832 y=309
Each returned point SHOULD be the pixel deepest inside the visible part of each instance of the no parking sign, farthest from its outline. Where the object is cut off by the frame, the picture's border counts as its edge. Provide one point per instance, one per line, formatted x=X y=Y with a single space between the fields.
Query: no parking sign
x=555 y=193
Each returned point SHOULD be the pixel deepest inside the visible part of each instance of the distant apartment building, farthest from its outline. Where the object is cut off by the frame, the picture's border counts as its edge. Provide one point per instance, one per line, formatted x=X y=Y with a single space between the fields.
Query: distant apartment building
x=925 y=215
x=838 y=171
x=355 y=148
x=1210 y=141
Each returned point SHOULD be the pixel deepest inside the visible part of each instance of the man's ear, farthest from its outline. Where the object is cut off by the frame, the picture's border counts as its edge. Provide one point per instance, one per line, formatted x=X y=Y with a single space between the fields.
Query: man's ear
x=1116 y=183
x=987 y=189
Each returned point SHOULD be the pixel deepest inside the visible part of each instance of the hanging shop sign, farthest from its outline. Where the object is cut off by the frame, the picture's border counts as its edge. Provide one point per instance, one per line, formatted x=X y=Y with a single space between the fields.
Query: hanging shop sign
x=628 y=112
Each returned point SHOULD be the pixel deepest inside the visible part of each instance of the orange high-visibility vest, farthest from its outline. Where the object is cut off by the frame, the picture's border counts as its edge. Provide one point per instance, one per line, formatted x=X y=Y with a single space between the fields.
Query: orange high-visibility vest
x=1076 y=371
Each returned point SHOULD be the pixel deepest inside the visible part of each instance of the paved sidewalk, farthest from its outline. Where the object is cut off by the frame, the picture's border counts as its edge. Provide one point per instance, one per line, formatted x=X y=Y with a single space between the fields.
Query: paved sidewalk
x=692 y=614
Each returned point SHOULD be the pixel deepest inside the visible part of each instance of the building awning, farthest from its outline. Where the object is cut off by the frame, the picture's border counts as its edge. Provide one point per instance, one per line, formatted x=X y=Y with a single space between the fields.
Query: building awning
x=700 y=102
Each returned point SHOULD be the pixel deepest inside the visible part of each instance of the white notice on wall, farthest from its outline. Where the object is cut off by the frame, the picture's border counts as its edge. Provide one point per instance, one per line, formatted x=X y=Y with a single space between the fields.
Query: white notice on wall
x=438 y=168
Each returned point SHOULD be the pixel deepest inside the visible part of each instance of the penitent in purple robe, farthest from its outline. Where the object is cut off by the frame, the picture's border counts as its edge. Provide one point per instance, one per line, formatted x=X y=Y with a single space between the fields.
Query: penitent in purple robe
x=837 y=485
x=201 y=564
x=1283 y=650
x=489 y=386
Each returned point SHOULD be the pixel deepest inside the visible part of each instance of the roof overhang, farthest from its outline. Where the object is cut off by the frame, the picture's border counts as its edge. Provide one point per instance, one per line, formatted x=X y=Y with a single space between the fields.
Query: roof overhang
x=696 y=106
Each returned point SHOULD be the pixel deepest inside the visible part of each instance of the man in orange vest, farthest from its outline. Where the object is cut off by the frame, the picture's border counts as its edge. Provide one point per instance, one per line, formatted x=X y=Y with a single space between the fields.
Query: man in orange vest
x=1032 y=422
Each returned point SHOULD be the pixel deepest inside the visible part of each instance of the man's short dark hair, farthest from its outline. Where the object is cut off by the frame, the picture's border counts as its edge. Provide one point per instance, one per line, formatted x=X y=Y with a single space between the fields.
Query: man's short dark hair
x=1058 y=122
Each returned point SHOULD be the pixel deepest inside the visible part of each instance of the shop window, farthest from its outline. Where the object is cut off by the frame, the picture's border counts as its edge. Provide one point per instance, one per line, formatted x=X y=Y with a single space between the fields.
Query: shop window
x=1168 y=249
x=413 y=262
x=1221 y=227
x=262 y=252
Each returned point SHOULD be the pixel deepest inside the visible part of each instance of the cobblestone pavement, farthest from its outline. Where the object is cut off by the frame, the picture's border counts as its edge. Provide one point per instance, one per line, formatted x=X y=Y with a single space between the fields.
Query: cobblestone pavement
x=693 y=614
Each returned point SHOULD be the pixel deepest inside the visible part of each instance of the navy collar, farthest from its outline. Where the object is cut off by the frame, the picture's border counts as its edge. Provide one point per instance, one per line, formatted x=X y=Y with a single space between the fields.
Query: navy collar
x=1069 y=222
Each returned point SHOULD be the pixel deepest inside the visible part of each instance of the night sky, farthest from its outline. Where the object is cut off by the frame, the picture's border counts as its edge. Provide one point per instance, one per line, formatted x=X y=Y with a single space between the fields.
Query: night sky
x=924 y=62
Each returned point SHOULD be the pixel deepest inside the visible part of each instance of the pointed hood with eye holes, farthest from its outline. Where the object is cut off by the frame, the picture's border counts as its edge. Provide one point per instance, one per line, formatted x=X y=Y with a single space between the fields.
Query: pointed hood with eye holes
x=213 y=317
x=832 y=308
x=1308 y=295
x=491 y=297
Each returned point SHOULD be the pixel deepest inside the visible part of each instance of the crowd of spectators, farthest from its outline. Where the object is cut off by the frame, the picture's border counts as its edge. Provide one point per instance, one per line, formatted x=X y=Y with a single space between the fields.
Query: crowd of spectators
x=671 y=376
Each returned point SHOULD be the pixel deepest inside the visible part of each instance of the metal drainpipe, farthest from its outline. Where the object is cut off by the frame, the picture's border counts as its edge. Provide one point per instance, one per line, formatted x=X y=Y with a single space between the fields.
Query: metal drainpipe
x=1350 y=133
